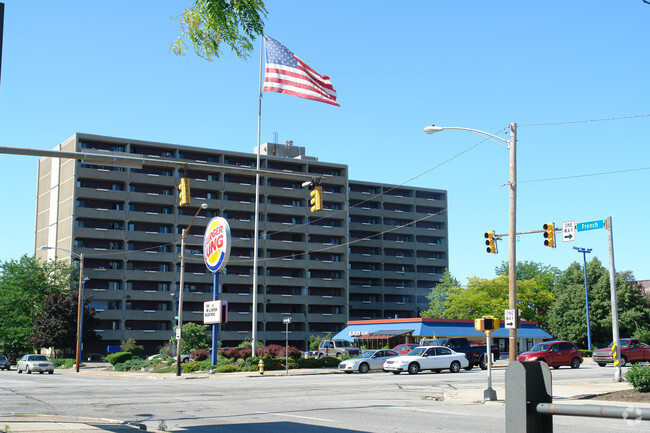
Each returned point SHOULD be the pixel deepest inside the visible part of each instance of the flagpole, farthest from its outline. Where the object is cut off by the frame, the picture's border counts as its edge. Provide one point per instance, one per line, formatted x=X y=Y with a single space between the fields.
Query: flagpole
x=257 y=207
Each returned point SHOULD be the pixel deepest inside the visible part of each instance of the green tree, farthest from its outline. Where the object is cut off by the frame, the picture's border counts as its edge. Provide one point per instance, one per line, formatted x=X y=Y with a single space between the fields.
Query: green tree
x=52 y=327
x=24 y=284
x=194 y=337
x=208 y=23
x=439 y=294
x=568 y=318
x=132 y=346
x=490 y=297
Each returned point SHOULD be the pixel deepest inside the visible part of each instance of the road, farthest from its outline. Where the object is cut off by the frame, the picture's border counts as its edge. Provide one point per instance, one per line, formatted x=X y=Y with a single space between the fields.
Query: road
x=324 y=403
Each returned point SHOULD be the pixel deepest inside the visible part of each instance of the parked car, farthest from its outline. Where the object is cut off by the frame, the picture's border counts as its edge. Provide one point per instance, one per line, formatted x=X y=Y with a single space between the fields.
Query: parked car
x=184 y=358
x=632 y=350
x=36 y=363
x=405 y=348
x=337 y=348
x=5 y=364
x=367 y=360
x=434 y=358
x=554 y=353
x=476 y=354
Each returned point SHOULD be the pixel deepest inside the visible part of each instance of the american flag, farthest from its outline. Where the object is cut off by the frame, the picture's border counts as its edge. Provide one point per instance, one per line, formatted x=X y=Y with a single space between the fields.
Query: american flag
x=286 y=73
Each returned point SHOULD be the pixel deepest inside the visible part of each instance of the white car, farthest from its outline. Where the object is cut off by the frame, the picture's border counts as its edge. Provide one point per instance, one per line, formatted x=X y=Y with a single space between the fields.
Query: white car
x=37 y=363
x=367 y=360
x=434 y=358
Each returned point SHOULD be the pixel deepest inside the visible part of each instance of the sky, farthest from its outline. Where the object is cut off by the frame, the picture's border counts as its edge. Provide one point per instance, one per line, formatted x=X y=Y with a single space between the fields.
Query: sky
x=572 y=75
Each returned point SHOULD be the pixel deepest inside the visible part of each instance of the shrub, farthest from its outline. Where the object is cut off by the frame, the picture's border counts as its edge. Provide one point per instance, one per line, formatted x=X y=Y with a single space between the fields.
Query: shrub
x=329 y=361
x=586 y=353
x=119 y=357
x=309 y=363
x=200 y=355
x=236 y=352
x=228 y=368
x=63 y=362
x=639 y=377
x=130 y=345
x=271 y=351
x=189 y=367
x=131 y=365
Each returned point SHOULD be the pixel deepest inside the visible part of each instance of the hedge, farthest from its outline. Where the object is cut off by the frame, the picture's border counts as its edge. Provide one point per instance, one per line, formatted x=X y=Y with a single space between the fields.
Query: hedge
x=119 y=357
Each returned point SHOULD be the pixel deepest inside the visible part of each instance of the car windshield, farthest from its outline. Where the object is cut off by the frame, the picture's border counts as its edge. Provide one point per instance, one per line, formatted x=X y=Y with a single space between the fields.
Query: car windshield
x=367 y=354
x=541 y=347
x=418 y=351
x=3 y=358
x=624 y=343
x=38 y=358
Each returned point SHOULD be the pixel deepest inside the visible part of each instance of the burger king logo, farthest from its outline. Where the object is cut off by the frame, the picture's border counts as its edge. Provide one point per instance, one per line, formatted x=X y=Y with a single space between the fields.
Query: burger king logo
x=216 y=244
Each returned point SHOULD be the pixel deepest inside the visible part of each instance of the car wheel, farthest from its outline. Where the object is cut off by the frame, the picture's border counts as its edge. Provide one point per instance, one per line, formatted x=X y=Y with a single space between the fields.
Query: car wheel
x=18 y=370
x=50 y=372
x=414 y=368
x=575 y=363
x=482 y=363
x=27 y=370
x=320 y=356
x=469 y=367
x=396 y=372
x=364 y=368
x=454 y=367
x=186 y=360
x=41 y=372
x=623 y=361
x=338 y=355
x=348 y=372
x=602 y=364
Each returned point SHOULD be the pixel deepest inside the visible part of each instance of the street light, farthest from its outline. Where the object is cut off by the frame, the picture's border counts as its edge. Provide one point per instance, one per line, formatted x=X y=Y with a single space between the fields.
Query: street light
x=179 y=332
x=79 y=300
x=511 y=145
x=584 y=252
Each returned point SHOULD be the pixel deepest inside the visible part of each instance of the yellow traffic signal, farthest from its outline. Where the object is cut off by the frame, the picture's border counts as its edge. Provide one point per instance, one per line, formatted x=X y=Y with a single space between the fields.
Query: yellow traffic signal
x=184 y=188
x=316 y=198
x=486 y=324
x=479 y=325
x=491 y=242
x=549 y=235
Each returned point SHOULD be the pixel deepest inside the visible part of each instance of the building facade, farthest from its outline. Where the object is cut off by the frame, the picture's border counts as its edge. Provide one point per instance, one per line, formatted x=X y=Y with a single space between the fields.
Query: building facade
x=374 y=251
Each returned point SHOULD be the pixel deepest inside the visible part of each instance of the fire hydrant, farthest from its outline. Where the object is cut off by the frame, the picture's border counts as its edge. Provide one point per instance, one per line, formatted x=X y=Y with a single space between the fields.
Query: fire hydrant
x=261 y=366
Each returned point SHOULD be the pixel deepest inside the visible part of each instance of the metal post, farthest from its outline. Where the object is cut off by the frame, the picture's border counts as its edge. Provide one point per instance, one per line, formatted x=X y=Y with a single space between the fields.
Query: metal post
x=83 y=297
x=179 y=331
x=612 y=283
x=489 y=393
x=79 y=310
x=286 y=346
x=215 y=326
x=257 y=217
x=584 y=252
x=512 y=246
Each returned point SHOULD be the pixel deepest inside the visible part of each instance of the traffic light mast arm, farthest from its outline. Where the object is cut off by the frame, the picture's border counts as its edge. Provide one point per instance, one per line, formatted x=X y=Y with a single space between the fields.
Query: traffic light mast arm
x=528 y=232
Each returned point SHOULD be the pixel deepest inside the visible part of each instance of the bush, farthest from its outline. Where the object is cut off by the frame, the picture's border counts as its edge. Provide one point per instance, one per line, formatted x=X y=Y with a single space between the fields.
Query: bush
x=329 y=361
x=309 y=363
x=133 y=364
x=639 y=377
x=586 y=353
x=199 y=355
x=237 y=352
x=271 y=351
x=130 y=345
x=63 y=362
x=119 y=357
x=228 y=368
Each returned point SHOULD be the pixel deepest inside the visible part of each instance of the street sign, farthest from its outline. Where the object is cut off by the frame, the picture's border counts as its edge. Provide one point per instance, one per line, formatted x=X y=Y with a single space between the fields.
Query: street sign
x=178 y=333
x=590 y=225
x=509 y=318
x=568 y=231
x=286 y=320
x=211 y=312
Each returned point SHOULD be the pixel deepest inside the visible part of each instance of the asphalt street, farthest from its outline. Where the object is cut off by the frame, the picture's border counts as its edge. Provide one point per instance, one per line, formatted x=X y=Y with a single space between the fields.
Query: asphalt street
x=335 y=402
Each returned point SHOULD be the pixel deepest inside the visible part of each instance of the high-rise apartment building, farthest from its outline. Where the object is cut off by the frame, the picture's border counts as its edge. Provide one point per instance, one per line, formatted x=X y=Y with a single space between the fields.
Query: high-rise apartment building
x=375 y=250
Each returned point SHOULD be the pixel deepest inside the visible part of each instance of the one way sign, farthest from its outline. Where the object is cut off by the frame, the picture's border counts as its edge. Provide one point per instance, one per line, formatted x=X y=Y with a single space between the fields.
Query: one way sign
x=568 y=231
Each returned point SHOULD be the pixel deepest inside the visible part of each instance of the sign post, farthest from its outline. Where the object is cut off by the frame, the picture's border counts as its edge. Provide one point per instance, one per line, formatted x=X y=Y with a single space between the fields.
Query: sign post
x=286 y=322
x=216 y=251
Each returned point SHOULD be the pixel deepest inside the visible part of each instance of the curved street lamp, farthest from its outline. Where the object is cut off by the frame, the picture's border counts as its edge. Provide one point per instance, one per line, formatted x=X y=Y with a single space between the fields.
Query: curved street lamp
x=511 y=145
x=180 y=291
x=79 y=300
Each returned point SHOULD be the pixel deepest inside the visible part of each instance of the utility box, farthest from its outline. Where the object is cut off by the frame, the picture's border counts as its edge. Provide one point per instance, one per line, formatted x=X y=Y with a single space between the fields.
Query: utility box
x=527 y=385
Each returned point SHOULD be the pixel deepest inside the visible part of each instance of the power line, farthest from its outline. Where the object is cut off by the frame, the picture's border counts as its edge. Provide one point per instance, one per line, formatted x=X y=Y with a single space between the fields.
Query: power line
x=587 y=121
x=585 y=175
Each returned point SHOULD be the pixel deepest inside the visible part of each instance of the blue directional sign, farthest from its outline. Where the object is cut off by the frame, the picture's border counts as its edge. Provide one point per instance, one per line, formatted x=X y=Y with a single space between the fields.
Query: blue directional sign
x=590 y=225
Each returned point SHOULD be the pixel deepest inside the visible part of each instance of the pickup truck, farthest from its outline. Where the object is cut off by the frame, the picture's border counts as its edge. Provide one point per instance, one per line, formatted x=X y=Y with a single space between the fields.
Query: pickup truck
x=631 y=350
x=475 y=354
x=337 y=348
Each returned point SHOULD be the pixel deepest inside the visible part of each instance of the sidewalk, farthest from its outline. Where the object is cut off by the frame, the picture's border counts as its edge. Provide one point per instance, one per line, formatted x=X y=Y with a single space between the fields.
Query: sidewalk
x=51 y=423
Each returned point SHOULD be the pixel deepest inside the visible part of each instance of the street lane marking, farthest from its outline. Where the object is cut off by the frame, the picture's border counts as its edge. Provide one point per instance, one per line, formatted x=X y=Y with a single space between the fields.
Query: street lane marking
x=297 y=416
x=427 y=410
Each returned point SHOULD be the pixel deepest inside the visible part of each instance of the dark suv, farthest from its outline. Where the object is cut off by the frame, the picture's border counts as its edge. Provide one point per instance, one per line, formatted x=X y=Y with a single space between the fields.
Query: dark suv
x=554 y=353
x=5 y=364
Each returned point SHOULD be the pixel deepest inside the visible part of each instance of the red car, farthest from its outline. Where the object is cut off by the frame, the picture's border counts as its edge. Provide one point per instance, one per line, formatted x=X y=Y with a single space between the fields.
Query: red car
x=404 y=348
x=554 y=353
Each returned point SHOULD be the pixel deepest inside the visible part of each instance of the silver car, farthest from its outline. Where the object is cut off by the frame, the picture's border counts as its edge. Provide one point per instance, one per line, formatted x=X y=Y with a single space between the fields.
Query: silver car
x=434 y=358
x=36 y=363
x=367 y=360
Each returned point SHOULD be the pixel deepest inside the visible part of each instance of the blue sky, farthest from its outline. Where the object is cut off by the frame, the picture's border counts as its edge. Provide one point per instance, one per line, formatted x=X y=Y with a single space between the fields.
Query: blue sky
x=105 y=68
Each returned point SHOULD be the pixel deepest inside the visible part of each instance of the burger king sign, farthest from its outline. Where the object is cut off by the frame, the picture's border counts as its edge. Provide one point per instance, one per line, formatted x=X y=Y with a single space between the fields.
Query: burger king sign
x=216 y=244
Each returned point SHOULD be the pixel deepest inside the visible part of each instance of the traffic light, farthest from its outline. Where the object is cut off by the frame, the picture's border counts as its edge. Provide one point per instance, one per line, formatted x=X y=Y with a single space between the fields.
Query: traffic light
x=549 y=235
x=184 y=188
x=316 y=201
x=486 y=324
x=491 y=242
